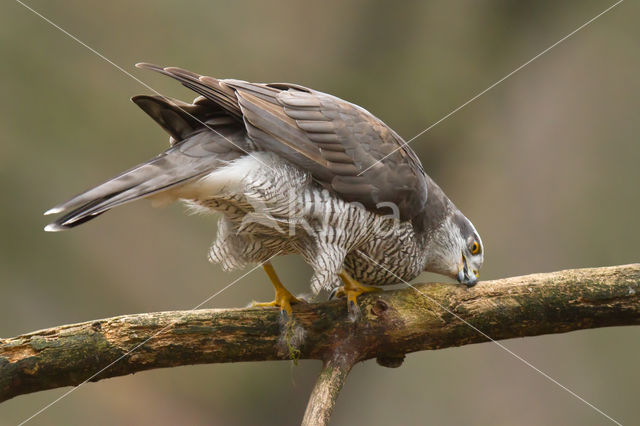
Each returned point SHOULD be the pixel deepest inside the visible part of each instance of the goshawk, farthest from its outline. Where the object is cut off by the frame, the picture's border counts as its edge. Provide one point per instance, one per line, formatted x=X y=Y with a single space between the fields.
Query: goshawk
x=294 y=170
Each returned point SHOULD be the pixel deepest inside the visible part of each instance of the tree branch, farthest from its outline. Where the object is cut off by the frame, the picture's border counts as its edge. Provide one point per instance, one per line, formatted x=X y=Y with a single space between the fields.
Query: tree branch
x=325 y=393
x=393 y=323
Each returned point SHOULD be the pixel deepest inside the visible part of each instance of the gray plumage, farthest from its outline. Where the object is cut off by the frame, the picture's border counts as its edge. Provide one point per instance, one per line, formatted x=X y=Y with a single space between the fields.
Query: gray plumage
x=293 y=170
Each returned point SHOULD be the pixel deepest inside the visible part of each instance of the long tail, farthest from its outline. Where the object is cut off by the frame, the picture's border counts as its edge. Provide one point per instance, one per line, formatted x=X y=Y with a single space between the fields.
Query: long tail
x=196 y=151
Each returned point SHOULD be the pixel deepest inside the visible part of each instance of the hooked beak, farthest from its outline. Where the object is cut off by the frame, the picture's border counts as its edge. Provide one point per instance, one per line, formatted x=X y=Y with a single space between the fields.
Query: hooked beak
x=465 y=276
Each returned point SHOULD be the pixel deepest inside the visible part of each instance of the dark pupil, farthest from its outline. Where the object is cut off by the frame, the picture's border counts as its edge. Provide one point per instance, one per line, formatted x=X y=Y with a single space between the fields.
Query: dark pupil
x=474 y=247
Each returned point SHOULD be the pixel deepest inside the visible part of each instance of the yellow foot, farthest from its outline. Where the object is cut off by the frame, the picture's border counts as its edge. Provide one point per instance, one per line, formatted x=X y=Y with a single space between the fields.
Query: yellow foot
x=351 y=289
x=283 y=300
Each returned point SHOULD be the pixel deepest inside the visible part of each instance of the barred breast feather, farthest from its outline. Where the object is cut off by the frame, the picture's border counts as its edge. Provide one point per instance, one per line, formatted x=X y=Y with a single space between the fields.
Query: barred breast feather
x=270 y=206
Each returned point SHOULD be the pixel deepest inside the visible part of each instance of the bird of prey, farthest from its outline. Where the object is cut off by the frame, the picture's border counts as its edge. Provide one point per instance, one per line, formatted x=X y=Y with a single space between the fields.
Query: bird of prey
x=294 y=170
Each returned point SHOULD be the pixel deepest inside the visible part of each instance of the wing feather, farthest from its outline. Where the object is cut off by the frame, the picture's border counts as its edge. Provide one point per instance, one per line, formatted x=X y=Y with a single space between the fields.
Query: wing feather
x=343 y=146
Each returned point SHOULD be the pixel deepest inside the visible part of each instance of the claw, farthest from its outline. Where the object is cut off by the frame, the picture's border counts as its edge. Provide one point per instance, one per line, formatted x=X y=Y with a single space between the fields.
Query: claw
x=336 y=292
x=284 y=316
x=284 y=299
x=351 y=289
x=354 y=311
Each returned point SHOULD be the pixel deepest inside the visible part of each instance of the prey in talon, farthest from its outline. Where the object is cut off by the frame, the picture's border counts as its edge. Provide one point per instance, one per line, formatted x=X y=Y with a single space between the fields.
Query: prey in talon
x=292 y=170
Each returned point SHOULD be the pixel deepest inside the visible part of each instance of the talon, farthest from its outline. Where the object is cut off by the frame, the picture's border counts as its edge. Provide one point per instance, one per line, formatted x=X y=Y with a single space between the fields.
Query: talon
x=354 y=311
x=352 y=289
x=284 y=299
x=336 y=292
x=285 y=306
x=284 y=315
x=351 y=300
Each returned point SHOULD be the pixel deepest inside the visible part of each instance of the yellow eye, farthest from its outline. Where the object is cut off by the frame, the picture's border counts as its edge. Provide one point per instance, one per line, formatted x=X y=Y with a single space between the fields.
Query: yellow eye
x=475 y=248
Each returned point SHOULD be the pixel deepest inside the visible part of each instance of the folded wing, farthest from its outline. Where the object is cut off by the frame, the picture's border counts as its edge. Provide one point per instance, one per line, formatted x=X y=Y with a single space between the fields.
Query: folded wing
x=344 y=147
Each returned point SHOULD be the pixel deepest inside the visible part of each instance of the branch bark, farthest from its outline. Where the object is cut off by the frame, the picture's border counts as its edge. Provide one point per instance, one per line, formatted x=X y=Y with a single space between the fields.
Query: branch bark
x=392 y=324
x=325 y=393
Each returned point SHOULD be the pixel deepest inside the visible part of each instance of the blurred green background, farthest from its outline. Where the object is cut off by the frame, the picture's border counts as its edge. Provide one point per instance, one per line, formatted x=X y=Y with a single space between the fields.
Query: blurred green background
x=546 y=165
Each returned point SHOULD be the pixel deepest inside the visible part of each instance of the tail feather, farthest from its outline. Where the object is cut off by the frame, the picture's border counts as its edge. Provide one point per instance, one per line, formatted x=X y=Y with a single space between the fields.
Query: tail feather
x=114 y=186
x=174 y=169
x=142 y=181
x=204 y=136
x=67 y=221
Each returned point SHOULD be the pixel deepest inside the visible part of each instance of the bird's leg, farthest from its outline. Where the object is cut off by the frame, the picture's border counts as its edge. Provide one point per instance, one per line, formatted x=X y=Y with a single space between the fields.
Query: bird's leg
x=352 y=289
x=284 y=299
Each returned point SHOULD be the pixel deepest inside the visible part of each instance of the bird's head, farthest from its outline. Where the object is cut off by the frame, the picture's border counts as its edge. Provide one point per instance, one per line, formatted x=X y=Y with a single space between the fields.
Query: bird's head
x=455 y=249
